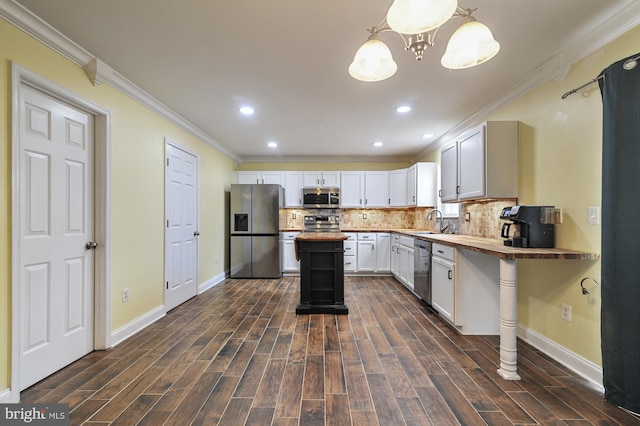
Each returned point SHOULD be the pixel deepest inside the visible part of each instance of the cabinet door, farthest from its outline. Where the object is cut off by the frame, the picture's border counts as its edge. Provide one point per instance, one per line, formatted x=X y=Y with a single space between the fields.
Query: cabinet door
x=443 y=287
x=352 y=189
x=289 y=262
x=395 y=256
x=398 y=188
x=449 y=173
x=248 y=177
x=426 y=195
x=406 y=266
x=293 y=189
x=331 y=179
x=375 y=187
x=411 y=186
x=383 y=252
x=275 y=178
x=312 y=179
x=366 y=256
x=471 y=166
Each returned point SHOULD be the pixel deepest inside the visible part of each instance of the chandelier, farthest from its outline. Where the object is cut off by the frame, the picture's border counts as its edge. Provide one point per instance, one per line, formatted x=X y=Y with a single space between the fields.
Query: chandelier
x=417 y=22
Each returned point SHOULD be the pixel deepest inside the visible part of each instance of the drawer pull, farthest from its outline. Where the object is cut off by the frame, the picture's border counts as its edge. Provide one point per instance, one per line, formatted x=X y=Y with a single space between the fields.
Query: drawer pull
x=449 y=273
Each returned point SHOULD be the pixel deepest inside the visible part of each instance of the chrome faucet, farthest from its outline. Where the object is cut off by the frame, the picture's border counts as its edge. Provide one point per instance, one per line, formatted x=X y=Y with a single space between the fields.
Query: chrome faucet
x=436 y=211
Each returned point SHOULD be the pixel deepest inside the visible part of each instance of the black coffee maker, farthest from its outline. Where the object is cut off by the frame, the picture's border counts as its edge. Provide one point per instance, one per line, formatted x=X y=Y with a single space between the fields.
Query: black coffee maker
x=535 y=226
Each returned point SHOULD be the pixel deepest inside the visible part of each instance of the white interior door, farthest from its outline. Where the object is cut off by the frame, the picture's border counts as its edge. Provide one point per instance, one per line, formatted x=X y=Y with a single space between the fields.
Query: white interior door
x=56 y=224
x=181 y=195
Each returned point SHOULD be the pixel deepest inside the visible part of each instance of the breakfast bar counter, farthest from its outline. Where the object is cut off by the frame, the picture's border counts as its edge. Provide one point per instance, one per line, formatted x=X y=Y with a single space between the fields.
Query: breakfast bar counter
x=508 y=284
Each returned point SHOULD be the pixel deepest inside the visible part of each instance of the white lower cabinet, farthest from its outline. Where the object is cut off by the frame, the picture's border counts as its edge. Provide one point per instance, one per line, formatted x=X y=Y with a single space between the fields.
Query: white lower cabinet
x=366 y=252
x=403 y=252
x=443 y=283
x=465 y=289
x=395 y=256
x=383 y=252
x=288 y=253
x=350 y=252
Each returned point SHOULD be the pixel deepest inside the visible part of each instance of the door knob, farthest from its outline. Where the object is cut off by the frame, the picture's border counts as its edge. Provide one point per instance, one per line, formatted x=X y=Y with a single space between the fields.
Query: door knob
x=91 y=245
x=195 y=234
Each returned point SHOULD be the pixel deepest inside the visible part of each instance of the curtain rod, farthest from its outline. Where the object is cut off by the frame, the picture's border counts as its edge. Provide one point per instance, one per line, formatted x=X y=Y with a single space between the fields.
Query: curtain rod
x=572 y=91
x=628 y=65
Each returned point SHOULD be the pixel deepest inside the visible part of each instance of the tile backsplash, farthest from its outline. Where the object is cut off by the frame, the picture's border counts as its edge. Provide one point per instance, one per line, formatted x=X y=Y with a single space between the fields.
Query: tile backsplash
x=484 y=218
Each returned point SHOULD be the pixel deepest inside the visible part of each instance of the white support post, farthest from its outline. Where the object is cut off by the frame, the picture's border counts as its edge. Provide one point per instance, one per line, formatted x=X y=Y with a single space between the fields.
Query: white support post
x=508 y=319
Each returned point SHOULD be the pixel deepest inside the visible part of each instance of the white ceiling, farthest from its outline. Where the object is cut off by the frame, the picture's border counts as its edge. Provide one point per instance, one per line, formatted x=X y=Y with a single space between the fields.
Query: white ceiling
x=288 y=59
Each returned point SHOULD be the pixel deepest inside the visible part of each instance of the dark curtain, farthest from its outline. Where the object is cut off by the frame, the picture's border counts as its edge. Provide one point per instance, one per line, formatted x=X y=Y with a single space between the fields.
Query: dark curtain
x=620 y=326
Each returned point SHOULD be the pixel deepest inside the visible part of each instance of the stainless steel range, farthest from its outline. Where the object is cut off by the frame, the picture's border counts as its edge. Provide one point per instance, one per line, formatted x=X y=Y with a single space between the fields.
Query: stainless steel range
x=322 y=223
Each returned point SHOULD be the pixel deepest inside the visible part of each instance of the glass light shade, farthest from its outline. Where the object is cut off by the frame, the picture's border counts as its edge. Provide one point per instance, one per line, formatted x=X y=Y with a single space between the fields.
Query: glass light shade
x=373 y=61
x=419 y=16
x=470 y=45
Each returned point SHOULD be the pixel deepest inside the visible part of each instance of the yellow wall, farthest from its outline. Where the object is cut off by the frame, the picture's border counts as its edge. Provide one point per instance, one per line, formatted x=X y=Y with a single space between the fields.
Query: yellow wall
x=560 y=164
x=138 y=140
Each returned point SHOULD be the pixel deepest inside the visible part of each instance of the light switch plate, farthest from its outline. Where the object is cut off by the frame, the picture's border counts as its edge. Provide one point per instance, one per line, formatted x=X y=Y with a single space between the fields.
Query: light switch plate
x=593 y=215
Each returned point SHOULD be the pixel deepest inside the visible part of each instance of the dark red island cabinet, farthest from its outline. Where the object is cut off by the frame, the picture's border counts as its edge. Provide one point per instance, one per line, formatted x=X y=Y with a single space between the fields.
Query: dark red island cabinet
x=321 y=273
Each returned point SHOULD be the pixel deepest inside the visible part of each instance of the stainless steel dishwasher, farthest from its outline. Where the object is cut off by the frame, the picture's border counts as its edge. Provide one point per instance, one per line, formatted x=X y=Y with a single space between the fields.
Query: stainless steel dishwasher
x=422 y=269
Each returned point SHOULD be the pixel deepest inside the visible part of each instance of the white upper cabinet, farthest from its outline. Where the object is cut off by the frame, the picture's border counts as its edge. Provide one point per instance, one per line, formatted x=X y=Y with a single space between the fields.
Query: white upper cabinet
x=421 y=185
x=397 y=188
x=292 y=189
x=376 y=185
x=260 y=177
x=321 y=179
x=482 y=163
x=364 y=189
x=449 y=173
x=352 y=189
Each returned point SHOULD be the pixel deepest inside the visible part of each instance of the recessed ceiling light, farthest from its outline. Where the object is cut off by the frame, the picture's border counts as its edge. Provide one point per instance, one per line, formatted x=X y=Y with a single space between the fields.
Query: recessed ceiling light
x=272 y=145
x=246 y=110
x=427 y=135
x=377 y=144
x=403 y=109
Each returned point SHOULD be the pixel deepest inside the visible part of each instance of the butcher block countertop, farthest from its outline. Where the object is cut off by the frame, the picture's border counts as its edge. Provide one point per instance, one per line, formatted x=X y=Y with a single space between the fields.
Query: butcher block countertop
x=321 y=236
x=498 y=249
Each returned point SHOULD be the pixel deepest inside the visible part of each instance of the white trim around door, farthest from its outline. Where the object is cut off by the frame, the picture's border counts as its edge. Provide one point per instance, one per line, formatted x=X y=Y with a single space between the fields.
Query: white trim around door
x=102 y=213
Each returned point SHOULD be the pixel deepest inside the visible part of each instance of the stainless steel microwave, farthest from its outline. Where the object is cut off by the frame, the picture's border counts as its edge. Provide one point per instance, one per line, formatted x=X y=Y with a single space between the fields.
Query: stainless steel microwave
x=320 y=198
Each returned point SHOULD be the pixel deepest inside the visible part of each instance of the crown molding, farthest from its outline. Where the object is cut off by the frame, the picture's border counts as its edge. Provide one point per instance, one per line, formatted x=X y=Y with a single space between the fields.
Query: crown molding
x=98 y=71
x=556 y=68
x=326 y=159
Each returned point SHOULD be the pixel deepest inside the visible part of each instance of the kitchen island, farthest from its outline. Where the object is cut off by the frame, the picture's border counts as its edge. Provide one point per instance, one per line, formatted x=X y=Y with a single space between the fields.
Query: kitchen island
x=508 y=284
x=321 y=256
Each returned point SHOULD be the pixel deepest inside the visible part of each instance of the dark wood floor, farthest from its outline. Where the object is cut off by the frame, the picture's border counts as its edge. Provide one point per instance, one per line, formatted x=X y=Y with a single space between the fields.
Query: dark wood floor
x=238 y=354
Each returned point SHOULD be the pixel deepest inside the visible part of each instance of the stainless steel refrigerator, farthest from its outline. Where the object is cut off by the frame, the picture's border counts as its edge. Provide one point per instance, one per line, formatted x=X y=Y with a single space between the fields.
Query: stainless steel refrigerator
x=255 y=231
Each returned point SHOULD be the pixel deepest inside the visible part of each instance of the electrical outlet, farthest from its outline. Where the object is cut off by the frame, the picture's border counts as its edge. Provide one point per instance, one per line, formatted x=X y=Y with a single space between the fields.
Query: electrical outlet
x=557 y=215
x=467 y=217
x=364 y=215
x=566 y=312
x=125 y=295
x=593 y=215
x=294 y=216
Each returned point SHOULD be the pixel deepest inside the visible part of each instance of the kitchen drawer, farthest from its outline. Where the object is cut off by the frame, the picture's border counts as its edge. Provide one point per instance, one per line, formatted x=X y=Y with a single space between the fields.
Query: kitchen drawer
x=366 y=236
x=406 y=241
x=351 y=236
x=350 y=263
x=289 y=235
x=444 y=251
x=350 y=248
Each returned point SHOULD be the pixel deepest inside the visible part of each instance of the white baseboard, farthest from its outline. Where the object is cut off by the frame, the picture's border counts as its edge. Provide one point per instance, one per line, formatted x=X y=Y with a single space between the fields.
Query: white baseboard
x=571 y=360
x=212 y=282
x=8 y=397
x=128 y=330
